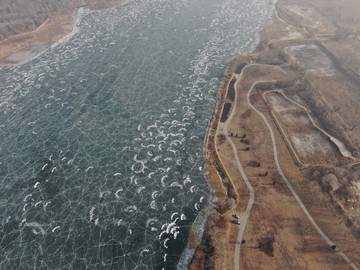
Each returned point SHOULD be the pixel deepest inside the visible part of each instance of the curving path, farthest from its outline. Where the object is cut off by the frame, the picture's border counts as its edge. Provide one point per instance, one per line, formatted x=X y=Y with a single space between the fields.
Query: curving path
x=298 y=160
x=340 y=145
x=245 y=216
x=278 y=167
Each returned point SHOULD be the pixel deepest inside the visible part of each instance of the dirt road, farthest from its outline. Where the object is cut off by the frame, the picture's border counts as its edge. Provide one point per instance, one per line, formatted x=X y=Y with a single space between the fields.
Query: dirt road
x=284 y=178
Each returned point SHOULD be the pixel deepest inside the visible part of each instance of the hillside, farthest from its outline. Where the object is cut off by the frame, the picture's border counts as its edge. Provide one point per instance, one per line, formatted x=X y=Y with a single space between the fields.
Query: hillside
x=28 y=28
x=19 y=16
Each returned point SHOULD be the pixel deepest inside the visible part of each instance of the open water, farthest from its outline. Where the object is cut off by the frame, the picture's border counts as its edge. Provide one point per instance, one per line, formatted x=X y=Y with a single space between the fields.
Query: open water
x=101 y=137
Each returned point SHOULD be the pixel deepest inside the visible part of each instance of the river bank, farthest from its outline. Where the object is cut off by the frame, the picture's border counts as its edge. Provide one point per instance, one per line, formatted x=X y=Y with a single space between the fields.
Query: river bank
x=24 y=47
x=216 y=250
x=125 y=105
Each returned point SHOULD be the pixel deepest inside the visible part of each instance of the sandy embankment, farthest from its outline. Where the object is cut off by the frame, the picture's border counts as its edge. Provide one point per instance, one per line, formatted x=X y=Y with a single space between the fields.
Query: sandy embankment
x=24 y=47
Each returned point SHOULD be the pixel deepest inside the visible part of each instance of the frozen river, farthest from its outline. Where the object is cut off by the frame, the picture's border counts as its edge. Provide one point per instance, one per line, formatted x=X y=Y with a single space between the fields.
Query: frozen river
x=101 y=137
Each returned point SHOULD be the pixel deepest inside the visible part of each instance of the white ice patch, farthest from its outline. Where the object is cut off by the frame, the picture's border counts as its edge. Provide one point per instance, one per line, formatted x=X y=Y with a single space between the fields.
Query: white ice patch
x=165 y=243
x=55 y=229
x=91 y=213
x=130 y=209
x=117 y=193
x=37 y=228
x=153 y=205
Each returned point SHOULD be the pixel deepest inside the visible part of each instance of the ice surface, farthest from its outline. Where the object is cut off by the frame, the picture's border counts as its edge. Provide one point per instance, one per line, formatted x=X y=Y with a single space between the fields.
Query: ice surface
x=101 y=137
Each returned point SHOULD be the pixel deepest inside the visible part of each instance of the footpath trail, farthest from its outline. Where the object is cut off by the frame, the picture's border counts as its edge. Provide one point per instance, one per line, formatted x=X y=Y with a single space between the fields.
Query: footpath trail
x=245 y=215
x=284 y=178
x=340 y=145
x=289 y=144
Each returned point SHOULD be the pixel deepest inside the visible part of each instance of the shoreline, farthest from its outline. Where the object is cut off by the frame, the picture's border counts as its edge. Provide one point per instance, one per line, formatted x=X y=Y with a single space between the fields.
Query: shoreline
x=224 y=197
x=28 y=58
x=200 y=258
x=41 y=36
x=208 y=253
x=23 y=48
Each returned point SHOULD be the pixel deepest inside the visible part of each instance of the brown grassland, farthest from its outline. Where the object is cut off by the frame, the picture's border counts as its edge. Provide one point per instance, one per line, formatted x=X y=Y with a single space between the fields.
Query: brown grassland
x=309 y=55
x=23 y=47
x=305 y=80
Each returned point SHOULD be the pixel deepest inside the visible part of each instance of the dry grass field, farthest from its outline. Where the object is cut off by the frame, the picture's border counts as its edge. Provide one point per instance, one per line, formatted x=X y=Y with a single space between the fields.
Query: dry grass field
x=288 y=114
x=304 y=83
x=24 y=46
